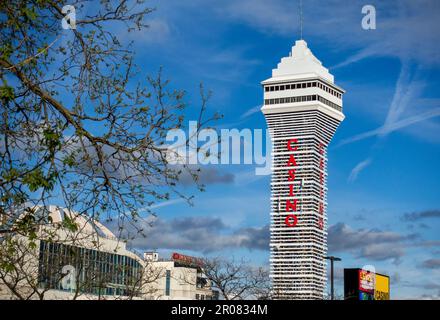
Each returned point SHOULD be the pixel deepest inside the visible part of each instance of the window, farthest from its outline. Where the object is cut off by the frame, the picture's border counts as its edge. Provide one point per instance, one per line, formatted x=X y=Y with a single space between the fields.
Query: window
x=197 y=296
x=277 y=88
x=168 y=283
x=281 y=87
x=309 y=84
x=266 y=89
x=271 y=88
x=287 y=86
x=303 y=85
x=314 y=84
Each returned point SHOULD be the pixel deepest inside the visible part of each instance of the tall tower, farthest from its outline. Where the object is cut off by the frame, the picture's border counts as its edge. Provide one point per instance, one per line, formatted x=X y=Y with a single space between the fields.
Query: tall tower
x=303 y=108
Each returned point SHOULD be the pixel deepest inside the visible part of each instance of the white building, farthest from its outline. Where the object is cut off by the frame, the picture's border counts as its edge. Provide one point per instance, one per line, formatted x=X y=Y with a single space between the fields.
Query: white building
x=303 y=108
x=182 y=279
x=90 y=262
x=86 y=263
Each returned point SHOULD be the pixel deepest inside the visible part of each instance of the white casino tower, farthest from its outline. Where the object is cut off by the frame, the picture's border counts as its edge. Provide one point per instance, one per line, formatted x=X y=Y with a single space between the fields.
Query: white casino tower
x=303 y=108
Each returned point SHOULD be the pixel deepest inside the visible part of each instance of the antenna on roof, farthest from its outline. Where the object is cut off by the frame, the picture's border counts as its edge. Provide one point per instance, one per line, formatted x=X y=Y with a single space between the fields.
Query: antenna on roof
x=301 y=19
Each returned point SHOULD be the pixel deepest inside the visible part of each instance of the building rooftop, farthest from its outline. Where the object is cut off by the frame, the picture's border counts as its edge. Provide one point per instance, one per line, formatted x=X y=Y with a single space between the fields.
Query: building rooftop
x=85 y=223
x=300 y=64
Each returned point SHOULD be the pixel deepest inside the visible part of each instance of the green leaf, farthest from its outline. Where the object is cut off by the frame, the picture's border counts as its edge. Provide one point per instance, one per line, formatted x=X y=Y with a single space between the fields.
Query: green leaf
x=6 y=92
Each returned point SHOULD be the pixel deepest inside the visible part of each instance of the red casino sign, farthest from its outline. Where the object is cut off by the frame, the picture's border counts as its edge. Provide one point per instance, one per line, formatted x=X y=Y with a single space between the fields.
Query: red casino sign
x=291 y=204
x=186 y=260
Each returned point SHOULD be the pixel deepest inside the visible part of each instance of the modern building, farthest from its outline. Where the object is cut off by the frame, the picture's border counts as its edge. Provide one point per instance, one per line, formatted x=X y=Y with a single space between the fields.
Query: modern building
x=84 y=262
x=303 y=108
x=76 y=257
x=182 y=279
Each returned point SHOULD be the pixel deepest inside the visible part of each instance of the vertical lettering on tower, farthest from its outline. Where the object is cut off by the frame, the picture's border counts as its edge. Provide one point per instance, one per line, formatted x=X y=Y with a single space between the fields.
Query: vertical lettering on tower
x=291 y=219
x=321 y=186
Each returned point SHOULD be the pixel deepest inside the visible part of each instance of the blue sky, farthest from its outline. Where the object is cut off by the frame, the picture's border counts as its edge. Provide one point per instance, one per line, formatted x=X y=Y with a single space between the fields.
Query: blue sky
x=384 y=207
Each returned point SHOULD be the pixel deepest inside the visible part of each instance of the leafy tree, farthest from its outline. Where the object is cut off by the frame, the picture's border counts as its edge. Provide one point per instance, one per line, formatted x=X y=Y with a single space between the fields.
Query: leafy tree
x=79 y=128
x=76 y=126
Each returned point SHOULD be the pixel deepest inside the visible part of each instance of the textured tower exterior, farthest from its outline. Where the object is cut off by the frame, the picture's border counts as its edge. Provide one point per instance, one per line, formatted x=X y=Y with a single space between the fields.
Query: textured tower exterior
x=303 y=108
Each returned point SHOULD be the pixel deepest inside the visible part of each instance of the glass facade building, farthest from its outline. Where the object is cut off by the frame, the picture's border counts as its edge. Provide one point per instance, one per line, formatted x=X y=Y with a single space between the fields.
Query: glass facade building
x=94 y=272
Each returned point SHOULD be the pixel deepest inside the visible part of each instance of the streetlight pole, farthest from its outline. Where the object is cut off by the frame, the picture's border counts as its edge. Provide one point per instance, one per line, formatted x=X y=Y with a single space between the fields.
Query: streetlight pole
x=332 y=288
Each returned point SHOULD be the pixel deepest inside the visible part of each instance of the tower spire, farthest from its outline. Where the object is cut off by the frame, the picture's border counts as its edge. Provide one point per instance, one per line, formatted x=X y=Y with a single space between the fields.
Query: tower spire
x=301 y=19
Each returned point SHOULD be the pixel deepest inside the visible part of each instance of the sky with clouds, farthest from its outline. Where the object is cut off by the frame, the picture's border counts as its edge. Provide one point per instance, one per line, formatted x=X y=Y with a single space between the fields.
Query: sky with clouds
x=383 y=198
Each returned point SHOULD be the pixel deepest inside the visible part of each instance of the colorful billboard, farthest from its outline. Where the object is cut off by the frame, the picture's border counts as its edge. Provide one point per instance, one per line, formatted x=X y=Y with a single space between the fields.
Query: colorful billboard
x=382 y=287
x=366 y=281
x=360 y=284
x=365 y=296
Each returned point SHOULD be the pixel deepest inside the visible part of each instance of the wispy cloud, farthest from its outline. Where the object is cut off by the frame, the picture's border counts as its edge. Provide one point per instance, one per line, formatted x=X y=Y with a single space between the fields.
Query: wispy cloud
x=388 y=128
x=165 y=203
x=355 y=58
x=251 y=111
x=431 y=264
x=408 y=89
x=358 y=168
x=414 y=216
x=404 y=28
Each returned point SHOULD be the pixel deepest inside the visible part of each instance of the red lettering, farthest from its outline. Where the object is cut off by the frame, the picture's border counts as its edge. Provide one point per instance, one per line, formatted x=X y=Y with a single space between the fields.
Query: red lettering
x=289 y=221
x=321 y=223
x=292 y=161
x=291 y=206
x=289 y=145
x=291 y=175
x=291 y=190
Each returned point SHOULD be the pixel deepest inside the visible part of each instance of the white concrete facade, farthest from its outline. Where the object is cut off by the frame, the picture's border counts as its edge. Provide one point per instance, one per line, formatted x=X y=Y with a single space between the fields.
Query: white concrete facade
x=179 y=283
x=301 y=105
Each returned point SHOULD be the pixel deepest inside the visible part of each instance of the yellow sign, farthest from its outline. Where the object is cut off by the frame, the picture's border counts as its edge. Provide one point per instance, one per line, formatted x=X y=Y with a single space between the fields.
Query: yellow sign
x=382 y=288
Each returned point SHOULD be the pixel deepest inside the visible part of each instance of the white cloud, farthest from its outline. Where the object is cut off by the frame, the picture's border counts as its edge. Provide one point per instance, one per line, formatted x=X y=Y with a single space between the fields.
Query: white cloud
x=251 y=111
x=373 y=244
x=158 y=31
x=386 y=129
x=405 y=29
x=202 y=234
x=358 y=168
